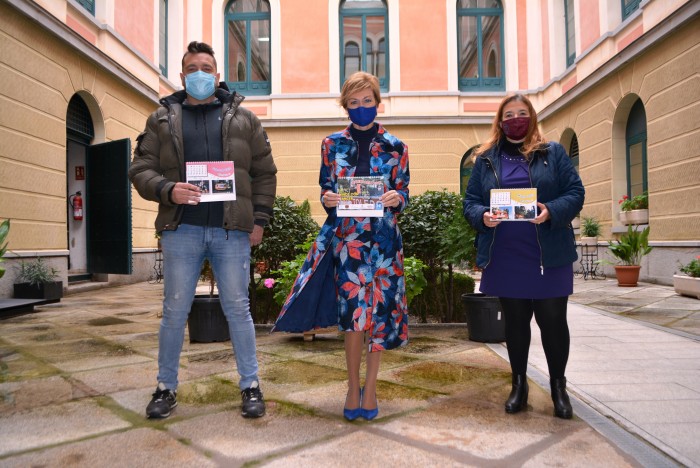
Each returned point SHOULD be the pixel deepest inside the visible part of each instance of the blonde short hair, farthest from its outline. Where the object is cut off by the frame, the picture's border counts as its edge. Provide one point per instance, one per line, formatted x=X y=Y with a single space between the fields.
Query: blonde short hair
x=359 y=81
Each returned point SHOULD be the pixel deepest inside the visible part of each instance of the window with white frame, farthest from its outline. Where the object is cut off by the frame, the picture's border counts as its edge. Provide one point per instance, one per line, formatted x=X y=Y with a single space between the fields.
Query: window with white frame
x=480 y=45
x=363 y=23
x=247 y=26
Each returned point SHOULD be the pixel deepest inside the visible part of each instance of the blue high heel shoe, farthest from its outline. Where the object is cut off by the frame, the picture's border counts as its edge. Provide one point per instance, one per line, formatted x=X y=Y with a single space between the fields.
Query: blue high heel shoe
x=368 y=414
x=353 y=414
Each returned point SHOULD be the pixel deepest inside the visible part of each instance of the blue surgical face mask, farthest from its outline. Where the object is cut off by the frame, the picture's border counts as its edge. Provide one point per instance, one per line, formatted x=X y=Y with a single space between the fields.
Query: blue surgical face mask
x=200 y=85
x=362 y=116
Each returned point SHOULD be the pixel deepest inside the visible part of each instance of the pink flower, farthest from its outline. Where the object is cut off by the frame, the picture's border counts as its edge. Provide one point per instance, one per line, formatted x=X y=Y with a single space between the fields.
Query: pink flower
x=269 y=283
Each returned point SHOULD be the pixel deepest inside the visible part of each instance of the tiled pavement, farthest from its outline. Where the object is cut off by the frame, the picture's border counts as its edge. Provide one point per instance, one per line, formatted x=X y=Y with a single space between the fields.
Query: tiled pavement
x=75 y=378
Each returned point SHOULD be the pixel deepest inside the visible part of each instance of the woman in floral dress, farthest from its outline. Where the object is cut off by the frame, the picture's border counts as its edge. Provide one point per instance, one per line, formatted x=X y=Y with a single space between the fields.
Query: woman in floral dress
x=353 y=274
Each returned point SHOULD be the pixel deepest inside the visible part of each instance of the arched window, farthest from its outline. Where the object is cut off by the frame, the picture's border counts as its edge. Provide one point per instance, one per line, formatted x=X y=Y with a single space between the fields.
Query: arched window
x=492 y=68
x=573 y=152
x=381 y=57
x=364 y=22
x=636 y=144
x=78 y=121
x=247 y=24
x=480 y=30
x=352 y=58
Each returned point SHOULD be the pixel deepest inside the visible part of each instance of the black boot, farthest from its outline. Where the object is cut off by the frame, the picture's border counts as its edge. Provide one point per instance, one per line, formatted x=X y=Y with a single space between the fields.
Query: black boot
x=562 y=405
x=517 y=400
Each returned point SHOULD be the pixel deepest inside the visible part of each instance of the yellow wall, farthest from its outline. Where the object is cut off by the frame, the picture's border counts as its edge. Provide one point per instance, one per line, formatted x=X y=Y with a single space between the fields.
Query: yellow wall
x=666 y=79
x=37 y=80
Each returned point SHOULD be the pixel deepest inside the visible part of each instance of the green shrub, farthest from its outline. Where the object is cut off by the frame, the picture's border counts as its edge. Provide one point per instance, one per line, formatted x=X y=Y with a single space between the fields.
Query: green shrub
x=288 y=271
x=432 y=302
x=422 y=224
x=414 y=278
x=692 y=268
x=289 y=227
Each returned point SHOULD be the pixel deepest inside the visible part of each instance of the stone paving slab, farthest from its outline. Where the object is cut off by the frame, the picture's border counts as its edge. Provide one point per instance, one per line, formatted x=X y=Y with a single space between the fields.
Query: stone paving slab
x=235 y=440
x=367 y=449
x=678 y=432
x=639 y=392
x=53 y=424
x=140 y=447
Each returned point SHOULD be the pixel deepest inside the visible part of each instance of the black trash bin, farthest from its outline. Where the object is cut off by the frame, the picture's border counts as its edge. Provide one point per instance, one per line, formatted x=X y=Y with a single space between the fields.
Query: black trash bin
x=207 y=322
x=484 y=318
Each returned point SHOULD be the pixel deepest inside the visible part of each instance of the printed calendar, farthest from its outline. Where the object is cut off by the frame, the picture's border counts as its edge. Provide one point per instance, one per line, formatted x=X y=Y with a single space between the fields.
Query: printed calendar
x=216 y=179
x=514 y=204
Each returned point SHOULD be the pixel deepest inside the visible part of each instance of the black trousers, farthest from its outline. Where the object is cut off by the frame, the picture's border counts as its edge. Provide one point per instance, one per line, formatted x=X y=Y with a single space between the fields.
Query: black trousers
x=550 y=315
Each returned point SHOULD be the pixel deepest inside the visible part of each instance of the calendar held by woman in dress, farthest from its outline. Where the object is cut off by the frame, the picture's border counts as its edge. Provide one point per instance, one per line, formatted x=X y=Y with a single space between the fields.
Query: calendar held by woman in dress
x=514 y=204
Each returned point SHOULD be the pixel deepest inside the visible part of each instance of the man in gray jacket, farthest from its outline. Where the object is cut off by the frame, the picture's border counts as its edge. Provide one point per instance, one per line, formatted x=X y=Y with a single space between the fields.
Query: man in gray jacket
x=205 y=122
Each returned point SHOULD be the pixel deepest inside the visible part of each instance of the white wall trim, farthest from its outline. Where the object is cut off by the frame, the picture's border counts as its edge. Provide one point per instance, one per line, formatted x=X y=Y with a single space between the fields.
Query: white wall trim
x=452 y=53
x=333 y=46
x=394 y=45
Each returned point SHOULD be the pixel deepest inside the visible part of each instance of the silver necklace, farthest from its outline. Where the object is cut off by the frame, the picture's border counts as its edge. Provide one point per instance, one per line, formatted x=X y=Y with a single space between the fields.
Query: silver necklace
x=513 y=158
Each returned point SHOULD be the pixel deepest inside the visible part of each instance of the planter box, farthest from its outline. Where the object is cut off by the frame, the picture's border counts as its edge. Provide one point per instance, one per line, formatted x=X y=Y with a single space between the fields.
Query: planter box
x=687 y=286
x=207 y=322
x=50 y=292
x=485 y=320
x=634 y=217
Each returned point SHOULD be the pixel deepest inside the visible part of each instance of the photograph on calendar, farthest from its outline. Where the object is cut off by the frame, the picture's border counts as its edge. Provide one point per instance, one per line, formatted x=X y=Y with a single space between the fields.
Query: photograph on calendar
x=360 y=196
x=514 y=204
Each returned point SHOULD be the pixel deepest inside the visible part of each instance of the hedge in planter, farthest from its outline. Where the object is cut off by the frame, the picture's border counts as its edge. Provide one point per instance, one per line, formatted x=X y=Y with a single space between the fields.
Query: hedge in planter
x=435 y=231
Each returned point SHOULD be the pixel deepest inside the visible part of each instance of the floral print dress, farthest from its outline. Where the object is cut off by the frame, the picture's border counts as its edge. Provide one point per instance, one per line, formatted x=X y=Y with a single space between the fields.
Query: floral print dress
x=353 y=274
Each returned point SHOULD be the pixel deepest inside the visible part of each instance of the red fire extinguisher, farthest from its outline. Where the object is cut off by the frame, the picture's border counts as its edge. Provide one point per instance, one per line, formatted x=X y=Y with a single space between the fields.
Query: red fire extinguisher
x=76 y=201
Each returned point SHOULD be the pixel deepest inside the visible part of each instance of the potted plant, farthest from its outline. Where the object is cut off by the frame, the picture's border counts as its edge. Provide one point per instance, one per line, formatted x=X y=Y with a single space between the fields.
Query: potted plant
x=634 y=210
x=4 y=231
x=688 y=284
x=629 y=250
x=207 y=322
x=37 y=280
x=590 y=230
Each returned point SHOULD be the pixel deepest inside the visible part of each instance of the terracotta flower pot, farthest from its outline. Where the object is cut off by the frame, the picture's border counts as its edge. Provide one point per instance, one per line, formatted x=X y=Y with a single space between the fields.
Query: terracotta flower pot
x=627 y=275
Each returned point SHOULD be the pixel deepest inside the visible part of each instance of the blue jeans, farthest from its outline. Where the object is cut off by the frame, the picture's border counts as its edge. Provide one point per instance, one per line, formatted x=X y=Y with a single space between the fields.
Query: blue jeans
x=184 y=250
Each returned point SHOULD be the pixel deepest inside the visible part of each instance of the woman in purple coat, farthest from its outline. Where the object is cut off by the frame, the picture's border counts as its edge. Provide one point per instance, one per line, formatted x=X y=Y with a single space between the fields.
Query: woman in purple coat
x=527 y=265
x=353 y=275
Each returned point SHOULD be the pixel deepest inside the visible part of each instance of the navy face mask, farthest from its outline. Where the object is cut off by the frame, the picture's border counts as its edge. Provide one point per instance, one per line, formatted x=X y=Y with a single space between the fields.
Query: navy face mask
x=362 y=116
